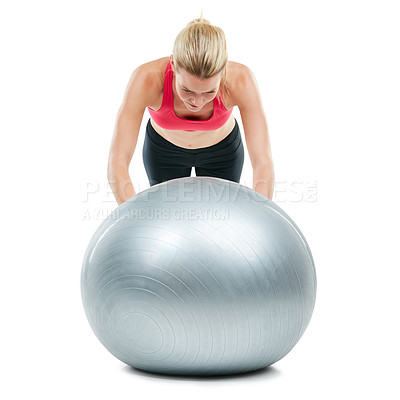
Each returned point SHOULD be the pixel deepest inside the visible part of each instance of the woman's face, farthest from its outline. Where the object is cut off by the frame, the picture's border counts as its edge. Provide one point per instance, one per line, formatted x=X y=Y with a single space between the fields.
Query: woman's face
x=195 y=92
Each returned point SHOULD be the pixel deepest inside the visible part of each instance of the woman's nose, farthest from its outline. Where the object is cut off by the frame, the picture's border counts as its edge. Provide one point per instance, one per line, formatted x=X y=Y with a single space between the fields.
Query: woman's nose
x=195 y=100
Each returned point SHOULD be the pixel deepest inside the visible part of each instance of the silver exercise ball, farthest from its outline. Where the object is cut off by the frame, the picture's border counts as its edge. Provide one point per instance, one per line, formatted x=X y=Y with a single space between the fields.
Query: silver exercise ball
x=198 y=276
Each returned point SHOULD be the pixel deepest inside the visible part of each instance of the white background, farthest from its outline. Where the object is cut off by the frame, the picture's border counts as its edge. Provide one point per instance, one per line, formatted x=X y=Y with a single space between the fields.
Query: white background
x=328 y=73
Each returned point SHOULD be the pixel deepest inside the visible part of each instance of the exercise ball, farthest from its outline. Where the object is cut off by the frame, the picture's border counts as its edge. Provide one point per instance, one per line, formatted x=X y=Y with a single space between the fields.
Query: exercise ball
x=198 y=276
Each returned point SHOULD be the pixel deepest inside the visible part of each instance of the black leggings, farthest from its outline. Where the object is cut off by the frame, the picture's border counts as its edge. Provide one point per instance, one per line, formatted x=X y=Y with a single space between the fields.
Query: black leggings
x=164 y=160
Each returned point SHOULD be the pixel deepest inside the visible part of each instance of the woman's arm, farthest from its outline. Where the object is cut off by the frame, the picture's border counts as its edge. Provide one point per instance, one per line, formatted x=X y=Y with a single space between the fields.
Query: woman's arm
x=137 y=97
x=248 y=99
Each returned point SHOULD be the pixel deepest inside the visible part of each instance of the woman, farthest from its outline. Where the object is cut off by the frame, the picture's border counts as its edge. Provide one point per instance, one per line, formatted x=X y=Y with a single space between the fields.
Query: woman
x=190 y=96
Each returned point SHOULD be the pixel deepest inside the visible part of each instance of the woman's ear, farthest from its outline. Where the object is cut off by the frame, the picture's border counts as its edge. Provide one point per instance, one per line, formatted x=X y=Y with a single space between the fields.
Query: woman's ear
x=171 y=60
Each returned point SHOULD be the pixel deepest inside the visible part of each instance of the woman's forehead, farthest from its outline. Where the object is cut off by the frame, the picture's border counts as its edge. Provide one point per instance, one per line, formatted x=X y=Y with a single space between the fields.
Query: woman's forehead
x=195 y=84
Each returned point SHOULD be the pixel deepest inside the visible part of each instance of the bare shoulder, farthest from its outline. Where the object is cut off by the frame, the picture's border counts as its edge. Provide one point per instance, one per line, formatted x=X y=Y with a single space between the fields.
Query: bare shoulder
x=234 y=67
x=153 y=72
x=238 y=74
x=241 y=83
x=147 y=81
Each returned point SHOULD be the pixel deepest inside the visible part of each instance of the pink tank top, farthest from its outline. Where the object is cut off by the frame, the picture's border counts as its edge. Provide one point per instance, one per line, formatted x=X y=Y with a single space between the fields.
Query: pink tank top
x=166 y=118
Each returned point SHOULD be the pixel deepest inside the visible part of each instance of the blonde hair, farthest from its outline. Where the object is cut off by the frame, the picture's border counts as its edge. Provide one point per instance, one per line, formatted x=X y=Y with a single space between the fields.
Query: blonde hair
x=200 y=48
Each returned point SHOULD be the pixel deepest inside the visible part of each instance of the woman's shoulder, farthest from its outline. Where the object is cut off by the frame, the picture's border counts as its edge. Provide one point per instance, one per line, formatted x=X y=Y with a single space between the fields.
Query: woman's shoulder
x=237 y=74
x=147 y=80
x=236 y=66
x=153 y=71
x=240 y=79
x=156 y=65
